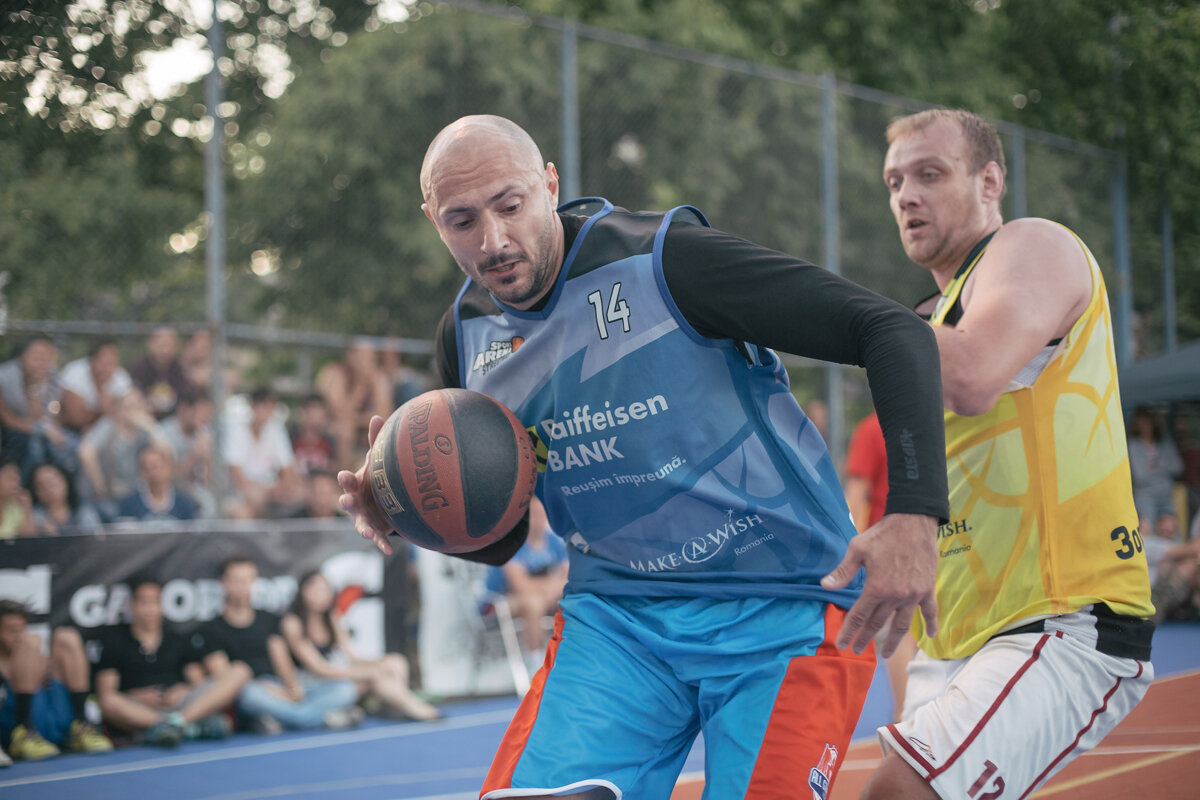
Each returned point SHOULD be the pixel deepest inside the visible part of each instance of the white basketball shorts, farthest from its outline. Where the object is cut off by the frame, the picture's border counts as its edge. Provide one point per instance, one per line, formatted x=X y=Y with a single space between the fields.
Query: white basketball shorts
x=999 y=723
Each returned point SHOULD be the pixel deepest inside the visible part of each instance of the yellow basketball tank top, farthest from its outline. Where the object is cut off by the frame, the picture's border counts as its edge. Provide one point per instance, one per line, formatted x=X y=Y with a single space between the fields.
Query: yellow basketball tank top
x=1042 y=520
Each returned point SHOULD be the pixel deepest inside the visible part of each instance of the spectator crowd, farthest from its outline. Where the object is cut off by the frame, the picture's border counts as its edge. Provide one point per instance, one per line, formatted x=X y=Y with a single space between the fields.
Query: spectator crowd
x=92 y=442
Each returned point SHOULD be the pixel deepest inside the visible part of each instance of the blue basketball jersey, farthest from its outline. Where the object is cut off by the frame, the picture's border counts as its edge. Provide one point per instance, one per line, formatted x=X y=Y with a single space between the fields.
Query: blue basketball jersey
x=671 y=463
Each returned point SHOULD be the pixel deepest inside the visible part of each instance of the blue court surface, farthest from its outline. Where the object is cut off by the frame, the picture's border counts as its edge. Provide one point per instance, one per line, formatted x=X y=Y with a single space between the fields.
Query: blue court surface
x=442 y=760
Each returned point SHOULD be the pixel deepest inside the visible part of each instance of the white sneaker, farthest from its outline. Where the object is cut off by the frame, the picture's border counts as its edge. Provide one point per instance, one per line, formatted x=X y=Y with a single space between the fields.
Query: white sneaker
x=341 y=719
x=5 y=760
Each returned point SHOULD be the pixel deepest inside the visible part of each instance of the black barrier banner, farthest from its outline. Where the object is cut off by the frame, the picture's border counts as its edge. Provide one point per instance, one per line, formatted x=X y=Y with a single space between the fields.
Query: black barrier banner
x=83 y=580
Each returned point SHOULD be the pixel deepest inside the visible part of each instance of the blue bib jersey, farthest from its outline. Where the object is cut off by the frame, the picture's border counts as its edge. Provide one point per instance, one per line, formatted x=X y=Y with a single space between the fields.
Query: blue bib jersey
x=700 y=508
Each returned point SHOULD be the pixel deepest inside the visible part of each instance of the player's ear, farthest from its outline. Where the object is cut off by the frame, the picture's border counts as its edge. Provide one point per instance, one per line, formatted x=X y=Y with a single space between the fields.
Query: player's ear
x=552 y=183
x=993 y=181
x=428 y=214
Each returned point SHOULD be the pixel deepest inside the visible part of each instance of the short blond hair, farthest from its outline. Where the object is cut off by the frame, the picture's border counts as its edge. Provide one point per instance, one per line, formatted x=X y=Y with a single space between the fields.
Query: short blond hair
x=983 y=142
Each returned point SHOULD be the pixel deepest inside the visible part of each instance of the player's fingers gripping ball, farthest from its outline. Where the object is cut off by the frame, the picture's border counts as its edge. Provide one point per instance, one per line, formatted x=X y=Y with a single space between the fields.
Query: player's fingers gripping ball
x=453 y=470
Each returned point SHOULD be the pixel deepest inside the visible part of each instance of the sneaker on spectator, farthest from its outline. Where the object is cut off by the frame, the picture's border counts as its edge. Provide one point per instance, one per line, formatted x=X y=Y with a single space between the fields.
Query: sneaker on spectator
x=341 y=719
x=84 y=738
x=162 y=734
x=266 y=725
x=5 y=760
x=29 y=745
x=212 y=727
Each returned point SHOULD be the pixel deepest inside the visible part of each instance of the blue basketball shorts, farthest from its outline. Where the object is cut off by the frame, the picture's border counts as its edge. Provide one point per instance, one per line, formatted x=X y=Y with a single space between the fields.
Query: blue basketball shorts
x=51 y=712
x=629 y=682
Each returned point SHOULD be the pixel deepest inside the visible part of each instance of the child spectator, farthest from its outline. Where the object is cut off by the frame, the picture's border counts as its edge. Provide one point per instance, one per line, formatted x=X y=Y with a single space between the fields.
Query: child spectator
x=278 y=696
x=108 y=454
x=16 y=507
x=150 y=683
x=56 y=508
x=312 y=444
x=154 y=496
x=189 y=433
x=321 y=647
x=92 y=386
x=43 y=701
x=159 y=372
x=355 y=388
x=261 y=464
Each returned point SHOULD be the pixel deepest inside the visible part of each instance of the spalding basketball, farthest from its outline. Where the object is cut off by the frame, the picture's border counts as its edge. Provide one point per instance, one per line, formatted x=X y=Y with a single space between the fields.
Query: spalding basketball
x=453 y=470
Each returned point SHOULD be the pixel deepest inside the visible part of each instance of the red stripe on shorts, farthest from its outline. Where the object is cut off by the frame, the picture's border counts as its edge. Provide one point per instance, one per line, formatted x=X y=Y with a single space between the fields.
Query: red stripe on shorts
x=1091 y=721
x=1037 y=652
x=818 y=705
x=513 y=744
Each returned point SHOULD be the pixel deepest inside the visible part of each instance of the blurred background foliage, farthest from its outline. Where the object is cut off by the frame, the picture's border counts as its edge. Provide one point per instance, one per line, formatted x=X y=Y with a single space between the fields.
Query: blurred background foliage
x=329 y=105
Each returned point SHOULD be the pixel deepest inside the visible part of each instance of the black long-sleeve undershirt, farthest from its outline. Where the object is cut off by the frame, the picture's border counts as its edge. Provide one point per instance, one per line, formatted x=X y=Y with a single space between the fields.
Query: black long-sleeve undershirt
x=729 y=288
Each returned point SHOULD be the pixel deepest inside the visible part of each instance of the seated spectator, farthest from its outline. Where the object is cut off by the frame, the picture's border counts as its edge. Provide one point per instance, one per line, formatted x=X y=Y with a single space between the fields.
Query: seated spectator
x=189 y=433
x=29 y=402
x=322 y=496
x=1176 y=587
x=278 y=696
x=150 y=683
x=261 y=464
x=196 y=360
x=56 y=508
x=42 y=705
x=108 y=454
x=159 y=372
x=154 y=496
x=355 y=388
x=312 y=444
x=92 y=386
x=321 y=647
x=533 y=579
x=16 y=507
x=1154 y=464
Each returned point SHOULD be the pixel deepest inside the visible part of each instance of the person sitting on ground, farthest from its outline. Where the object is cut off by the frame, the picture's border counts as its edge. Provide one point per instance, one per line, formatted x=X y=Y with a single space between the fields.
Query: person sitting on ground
x=92 y=385
x=189 y=433
x=150 y=683
x=261 y=463
x=109 y=452
x=1176 y=587
x=56 y=507
x=321 y=647
x=533 y=579
x=312 y=444
x=29 y=403
x=159 y=372
x=16 y=508
x=154 y=496
x=42 y=707
x=356 y=388
x=279 y=696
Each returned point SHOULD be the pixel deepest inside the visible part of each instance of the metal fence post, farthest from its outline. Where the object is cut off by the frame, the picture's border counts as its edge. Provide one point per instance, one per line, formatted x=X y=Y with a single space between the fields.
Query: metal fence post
x=214 y=252
x=1124 y=310
x=832 y=254
x=1170 y=333
x=569 y=78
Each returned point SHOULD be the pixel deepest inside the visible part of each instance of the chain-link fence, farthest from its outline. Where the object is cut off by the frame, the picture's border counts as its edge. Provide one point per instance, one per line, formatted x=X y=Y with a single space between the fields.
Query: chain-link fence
x=326 y=239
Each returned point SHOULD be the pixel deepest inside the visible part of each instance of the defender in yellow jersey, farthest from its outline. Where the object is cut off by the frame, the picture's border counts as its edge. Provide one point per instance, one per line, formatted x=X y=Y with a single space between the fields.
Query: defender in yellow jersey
x=1041 y=571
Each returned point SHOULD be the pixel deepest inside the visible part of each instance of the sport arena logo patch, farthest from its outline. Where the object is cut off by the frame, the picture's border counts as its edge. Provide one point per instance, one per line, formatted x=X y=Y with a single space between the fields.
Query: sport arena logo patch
x=496 y=352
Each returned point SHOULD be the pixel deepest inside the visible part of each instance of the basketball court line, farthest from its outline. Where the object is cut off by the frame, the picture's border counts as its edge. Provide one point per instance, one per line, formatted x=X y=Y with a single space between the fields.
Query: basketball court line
x=288 y=745
x=357 y=783
x=1083 y=780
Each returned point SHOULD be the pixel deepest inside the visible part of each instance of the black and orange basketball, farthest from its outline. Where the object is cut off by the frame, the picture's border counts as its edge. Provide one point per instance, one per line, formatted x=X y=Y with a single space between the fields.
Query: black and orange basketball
x=453 y=470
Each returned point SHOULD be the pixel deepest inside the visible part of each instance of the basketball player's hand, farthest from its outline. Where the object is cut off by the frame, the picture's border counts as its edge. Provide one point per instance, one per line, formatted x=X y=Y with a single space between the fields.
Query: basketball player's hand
x=359 y=502
x=900 y=555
